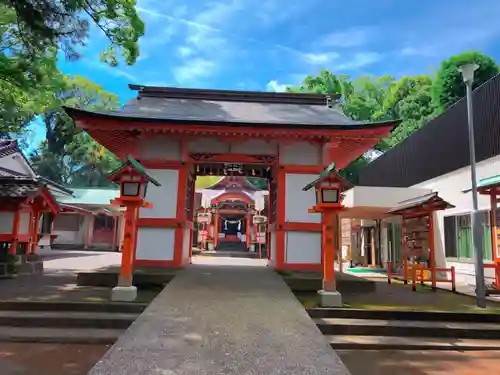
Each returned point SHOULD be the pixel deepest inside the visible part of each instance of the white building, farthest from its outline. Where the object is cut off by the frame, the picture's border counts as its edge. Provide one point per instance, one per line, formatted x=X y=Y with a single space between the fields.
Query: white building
x=436 y=158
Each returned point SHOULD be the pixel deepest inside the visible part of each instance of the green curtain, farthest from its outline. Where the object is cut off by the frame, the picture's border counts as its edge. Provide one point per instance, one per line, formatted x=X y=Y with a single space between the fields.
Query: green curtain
x=465 y=243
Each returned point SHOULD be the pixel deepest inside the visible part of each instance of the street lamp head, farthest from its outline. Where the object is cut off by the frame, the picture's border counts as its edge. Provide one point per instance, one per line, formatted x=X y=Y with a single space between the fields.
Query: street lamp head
x=467 y=71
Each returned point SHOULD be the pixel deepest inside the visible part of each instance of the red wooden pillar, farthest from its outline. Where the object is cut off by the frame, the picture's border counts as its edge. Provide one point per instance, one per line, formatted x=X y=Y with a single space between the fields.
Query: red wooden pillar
x=432 y=252
x=248 y=233
x=216 y=230
x=329 y=243
x=34 y=232
x=15 y=232
x=128 y=247
x=494 y=237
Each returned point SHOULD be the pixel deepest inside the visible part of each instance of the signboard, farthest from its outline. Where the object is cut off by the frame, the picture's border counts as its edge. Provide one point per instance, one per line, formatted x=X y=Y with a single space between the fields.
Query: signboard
x=204 y=218
x=259 y=219
x=261 y=237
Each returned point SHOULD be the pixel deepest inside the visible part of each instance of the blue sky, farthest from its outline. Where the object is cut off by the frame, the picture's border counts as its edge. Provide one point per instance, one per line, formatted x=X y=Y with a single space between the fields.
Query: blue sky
x=268 y=44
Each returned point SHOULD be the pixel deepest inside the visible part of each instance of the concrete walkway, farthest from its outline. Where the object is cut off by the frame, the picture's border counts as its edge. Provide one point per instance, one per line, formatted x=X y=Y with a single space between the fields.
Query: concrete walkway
x=216 y=319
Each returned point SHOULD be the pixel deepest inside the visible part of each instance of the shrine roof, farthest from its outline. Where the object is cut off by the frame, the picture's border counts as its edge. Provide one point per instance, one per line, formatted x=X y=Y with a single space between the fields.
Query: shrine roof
x=233 y=183
x=91 y=197
x=431 y=202
x=18 y=186
x=484 y=185
x=225 y=107
x=8 y=147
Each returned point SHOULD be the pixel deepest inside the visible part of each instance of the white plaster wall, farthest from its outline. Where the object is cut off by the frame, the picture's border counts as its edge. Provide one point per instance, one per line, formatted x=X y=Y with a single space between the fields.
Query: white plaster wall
x=303 y=247
x=159 y=147
x=465 y=273
x=155 y=244
x=374 y=196
x=16 y=163
x=164 y=197
x=24 y=223
x=297 y=202
x=212 y=145
x=65 y=237
x=451 y=185
x=300 y=153
x=6 y=222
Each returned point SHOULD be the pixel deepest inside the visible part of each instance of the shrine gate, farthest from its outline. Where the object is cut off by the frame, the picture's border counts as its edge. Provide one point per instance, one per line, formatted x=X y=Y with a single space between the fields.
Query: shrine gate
x=179 y=134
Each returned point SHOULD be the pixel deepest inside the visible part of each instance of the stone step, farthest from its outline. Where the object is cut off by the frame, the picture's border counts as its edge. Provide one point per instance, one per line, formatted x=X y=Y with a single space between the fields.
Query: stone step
x=59 y=335
x=344 y=342
x=229 y=254
x=70 y=319
x=443 y=316
x=110 y=307
x=368 y=327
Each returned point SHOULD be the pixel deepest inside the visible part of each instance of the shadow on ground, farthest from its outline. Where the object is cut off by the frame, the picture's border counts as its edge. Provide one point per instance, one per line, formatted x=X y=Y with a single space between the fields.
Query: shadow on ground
x=384 y=362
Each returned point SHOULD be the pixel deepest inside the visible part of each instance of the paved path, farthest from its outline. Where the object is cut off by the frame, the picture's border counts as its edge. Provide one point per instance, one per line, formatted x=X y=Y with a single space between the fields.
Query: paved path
x=214 y=319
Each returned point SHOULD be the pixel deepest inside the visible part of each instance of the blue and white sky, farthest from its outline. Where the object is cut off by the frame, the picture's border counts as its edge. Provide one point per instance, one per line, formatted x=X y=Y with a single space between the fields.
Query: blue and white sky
x=268 y=44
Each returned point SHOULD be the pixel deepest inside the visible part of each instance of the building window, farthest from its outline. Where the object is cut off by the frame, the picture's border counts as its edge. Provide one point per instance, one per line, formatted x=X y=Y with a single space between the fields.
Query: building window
x=67 y=222
x=458 y=236
x=450 y=236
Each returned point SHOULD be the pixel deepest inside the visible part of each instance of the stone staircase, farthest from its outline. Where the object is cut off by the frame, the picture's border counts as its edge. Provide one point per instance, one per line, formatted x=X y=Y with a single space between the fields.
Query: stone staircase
x=66 y=322
x=350 y=329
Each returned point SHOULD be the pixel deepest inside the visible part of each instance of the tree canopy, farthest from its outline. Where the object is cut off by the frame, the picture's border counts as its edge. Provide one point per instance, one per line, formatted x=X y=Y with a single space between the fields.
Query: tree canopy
x=413 y=100
x=33 y=32
x=68 y=155
x=448 y=86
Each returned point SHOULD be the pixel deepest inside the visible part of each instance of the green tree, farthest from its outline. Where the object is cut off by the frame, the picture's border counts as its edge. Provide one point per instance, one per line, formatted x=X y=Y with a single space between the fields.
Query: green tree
x=410 y=100
x=448 y=85
x=38 y=25
x=66 y=151
x=370 y=98
x=34 y=31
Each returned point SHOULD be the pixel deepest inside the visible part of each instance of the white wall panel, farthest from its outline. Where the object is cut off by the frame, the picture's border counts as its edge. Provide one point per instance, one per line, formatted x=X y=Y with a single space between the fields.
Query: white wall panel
x=155 y=244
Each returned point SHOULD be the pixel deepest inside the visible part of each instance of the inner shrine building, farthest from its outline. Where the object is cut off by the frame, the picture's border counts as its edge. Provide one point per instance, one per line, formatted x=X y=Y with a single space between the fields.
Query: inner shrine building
x=178 y=134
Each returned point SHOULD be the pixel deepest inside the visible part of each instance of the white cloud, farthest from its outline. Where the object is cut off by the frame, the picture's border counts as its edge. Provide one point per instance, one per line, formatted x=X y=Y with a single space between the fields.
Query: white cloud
x=184 y=51
x=353 y=37
x=360 y=60
x=193 y=70
x=115 y=71
x=276 y=86
x=320 y=58
x=274 y=12
x=425 y=50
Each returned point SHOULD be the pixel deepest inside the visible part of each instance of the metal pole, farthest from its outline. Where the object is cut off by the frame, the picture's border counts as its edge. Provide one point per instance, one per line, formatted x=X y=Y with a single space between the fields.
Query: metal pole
x=476 y=220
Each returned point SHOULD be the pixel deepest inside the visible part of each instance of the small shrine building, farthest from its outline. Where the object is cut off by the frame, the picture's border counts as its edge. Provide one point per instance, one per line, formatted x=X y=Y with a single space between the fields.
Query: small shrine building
x=232 y=206
x=179 y=134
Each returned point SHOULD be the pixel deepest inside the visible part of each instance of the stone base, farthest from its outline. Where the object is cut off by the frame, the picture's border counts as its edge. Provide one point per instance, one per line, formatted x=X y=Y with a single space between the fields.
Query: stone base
x=123 y=293
x=330 y=299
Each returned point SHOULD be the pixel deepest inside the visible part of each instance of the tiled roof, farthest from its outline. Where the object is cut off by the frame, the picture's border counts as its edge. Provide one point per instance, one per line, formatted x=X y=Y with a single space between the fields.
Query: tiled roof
x=18 y=187
x=8 y=147
x=4 y=172
x=216 y=107
x=90 y=196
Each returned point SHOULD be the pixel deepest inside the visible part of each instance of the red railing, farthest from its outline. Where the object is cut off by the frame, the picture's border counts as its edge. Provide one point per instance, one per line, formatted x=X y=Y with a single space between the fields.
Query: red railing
x=419 y=273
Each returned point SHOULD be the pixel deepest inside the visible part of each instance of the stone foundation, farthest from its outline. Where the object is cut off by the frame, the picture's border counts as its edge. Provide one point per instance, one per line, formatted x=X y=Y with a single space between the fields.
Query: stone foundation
x=22 y=265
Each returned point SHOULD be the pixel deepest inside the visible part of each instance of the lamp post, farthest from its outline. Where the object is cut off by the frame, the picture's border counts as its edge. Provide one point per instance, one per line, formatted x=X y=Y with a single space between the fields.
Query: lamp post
x=476 y=222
